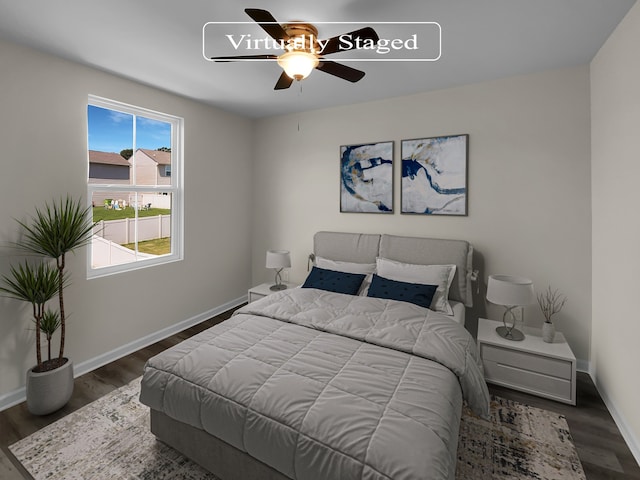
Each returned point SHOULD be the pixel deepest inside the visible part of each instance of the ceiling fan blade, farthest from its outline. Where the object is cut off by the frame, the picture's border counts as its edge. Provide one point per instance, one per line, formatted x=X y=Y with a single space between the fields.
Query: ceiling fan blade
x=334 y=44
x=268 y=23
x=245 y=57
x=283 y=82
x=339 y=70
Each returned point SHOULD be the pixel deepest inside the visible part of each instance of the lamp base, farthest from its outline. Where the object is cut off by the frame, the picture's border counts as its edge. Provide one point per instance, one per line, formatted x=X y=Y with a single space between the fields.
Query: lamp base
x=278 y=286
x=510 y=333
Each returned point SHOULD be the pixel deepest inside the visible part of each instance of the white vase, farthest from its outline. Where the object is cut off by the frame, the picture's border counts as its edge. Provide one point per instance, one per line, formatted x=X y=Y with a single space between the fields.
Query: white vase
x=548 y=332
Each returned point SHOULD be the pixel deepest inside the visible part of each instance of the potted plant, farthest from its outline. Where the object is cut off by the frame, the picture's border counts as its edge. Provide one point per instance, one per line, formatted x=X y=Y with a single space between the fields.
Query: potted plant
x=58 y=229
x=37 y=284
x=551 y=302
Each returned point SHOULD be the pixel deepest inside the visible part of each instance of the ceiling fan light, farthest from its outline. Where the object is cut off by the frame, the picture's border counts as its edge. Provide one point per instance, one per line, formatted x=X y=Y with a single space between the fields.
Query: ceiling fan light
x=297 y=65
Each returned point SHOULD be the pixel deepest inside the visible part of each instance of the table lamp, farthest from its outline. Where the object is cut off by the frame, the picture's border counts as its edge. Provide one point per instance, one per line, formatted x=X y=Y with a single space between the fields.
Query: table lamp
x=278 y=260
x=511 y=292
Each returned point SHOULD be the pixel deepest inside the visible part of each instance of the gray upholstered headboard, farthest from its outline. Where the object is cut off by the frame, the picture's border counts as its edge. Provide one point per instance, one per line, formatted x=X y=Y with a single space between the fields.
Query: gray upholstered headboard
x=365 y=247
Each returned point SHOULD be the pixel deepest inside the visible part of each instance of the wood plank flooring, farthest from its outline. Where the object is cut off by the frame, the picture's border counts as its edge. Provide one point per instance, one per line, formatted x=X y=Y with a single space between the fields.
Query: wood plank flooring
x=602 y=449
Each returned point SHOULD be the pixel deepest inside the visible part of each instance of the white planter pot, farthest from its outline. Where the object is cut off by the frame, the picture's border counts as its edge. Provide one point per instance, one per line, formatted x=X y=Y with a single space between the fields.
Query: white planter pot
x=49 y=391
x=548 y=332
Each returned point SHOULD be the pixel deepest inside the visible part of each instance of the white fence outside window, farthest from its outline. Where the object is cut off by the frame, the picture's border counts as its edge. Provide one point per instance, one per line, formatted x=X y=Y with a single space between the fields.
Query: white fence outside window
x=108 y=237
x=123 y=231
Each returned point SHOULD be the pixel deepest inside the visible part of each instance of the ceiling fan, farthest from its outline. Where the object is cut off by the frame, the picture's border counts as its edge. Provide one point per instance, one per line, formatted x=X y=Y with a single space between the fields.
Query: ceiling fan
x=303 y=51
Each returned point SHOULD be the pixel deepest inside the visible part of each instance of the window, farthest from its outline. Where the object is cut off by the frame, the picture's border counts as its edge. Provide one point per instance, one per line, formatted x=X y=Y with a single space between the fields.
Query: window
x=134 y=185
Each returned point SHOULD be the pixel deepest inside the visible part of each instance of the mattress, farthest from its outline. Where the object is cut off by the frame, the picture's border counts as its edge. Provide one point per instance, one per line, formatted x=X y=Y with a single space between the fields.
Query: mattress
x=322 y=385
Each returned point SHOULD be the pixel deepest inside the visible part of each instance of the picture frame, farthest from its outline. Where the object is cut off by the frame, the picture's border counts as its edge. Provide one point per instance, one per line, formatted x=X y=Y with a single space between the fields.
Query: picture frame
x=434 y=175
x=366 y=178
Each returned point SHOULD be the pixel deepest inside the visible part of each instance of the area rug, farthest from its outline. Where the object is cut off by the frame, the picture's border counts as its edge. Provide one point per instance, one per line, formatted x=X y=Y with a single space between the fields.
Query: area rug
x=110 y=439
x=520 y=442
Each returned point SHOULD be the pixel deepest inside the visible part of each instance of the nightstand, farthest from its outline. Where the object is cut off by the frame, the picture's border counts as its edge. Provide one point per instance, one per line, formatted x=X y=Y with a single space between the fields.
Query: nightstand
x=531 y=365
x=262 y=290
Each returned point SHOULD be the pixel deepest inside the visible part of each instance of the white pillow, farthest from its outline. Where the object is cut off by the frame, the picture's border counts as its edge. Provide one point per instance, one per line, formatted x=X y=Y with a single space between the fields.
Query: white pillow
x=349 y=267
x=440 y=275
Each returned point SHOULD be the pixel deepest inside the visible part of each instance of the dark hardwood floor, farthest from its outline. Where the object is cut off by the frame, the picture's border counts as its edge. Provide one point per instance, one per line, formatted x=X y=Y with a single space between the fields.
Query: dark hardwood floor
x=602 y=450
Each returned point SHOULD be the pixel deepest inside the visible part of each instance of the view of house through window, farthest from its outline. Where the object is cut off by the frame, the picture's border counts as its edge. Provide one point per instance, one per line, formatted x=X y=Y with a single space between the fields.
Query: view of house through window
x=135 y=197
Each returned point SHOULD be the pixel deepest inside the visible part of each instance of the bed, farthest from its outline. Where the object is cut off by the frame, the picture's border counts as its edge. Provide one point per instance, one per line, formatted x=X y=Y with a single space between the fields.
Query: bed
x=310 y=383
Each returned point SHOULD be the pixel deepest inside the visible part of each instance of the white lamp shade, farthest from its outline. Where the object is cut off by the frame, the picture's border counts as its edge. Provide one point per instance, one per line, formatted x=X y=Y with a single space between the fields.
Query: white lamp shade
x=278 y=259
x=297 y=65
x=510 y=290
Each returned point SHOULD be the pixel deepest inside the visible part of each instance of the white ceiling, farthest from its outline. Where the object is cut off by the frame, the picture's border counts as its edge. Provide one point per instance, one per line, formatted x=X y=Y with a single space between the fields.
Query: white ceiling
x=160 y=43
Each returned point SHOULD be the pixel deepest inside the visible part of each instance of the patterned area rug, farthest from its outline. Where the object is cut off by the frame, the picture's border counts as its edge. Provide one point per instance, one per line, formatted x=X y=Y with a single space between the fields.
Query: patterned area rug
x=110 y=439
x=520 y=442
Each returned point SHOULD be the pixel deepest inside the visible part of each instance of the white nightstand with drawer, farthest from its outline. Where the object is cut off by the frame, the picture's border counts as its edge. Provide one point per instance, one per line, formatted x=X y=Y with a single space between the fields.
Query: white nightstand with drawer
x=262 y=290
x=531 y=365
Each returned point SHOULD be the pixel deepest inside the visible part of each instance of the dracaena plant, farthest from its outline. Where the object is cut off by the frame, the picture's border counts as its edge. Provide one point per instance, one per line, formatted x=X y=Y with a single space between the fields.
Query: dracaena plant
x=35 y=284
x=48 y=325
x=54 y=231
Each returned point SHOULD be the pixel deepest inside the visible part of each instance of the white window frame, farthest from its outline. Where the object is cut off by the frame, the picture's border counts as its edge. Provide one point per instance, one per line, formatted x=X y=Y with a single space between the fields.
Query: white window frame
x=176 y=188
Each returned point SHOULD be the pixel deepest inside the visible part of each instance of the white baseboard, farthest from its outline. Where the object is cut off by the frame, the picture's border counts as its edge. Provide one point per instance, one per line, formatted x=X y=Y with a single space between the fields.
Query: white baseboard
x=19 y=395
x=13 y=398
x=629 y=436
x=583 y=366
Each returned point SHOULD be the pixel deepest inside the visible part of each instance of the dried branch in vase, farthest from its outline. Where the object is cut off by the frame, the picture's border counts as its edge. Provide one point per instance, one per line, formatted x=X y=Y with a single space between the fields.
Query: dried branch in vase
x=551 y=302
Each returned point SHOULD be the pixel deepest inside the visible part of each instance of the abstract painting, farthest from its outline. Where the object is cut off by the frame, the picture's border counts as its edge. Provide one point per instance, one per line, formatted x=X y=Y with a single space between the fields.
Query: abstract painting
x=366 y=178
x=434 y=175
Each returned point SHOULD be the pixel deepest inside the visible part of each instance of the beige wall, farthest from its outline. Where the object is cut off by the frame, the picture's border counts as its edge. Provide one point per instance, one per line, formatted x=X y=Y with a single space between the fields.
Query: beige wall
x=43 y=102
x=146 y=170
x=529 y=183
x=615 y=131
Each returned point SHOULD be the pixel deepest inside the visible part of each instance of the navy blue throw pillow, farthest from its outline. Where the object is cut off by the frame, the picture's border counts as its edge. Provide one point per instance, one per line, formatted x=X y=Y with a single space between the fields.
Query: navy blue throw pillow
x=332 y=281
x=406 y=292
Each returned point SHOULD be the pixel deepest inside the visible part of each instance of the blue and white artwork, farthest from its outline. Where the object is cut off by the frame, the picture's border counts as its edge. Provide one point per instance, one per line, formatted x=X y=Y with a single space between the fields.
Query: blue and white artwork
x=366 y=178
x=434 y=175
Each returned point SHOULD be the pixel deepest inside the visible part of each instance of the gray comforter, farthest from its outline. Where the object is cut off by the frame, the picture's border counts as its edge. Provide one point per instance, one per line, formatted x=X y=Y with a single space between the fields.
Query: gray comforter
x=321 y=385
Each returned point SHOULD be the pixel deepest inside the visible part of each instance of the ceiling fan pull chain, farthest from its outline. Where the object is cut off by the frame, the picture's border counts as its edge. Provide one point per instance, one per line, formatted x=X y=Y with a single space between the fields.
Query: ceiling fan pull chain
x=299 y=100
